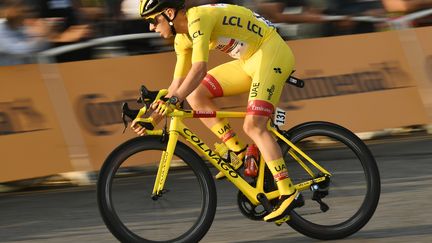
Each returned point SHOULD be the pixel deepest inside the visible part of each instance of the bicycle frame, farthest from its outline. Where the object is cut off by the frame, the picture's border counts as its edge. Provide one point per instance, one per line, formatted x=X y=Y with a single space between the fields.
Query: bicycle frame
x=178 y=128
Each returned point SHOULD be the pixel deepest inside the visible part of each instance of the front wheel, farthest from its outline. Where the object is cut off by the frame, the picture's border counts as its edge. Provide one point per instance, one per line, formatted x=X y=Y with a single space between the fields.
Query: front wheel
x=183 y=213
x=352 y=192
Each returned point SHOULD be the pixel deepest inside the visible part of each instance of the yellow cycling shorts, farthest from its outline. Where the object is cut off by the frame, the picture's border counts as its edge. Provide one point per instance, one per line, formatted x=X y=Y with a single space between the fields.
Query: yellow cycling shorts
x=263 y=75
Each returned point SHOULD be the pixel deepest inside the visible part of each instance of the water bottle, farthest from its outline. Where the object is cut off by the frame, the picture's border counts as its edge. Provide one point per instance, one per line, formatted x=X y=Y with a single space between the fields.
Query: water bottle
x=229 y=156
x=251 y=161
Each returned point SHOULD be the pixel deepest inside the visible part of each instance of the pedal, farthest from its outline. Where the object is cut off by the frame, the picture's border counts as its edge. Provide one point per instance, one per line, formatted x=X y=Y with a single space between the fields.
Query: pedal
x=282 y=220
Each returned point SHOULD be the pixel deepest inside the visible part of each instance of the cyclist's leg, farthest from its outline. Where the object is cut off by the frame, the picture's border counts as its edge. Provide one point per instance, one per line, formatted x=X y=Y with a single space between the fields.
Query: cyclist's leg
x=224 y=80
x=270 y=67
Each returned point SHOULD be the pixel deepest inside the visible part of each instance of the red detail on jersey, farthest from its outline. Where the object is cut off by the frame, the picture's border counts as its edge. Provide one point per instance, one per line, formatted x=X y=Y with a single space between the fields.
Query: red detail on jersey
x=212 y=85
x=227 y=136
x=228 y=47
x=259 y=108
x=200 y=114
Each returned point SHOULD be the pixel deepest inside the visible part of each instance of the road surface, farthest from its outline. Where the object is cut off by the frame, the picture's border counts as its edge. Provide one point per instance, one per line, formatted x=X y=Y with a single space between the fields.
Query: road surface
x=70 y=214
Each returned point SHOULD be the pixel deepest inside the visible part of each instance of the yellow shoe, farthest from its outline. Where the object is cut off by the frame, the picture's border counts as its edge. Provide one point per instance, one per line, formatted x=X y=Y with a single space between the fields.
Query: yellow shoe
x=285 y=205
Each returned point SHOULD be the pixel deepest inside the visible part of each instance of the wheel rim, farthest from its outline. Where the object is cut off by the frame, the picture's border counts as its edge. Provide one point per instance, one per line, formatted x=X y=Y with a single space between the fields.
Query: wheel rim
x=349 y=186
x=170 y=218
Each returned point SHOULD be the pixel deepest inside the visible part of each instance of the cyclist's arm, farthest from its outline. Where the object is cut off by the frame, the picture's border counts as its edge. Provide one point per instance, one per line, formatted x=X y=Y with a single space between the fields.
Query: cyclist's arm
x=175 y=85
x=183 y=50
x=192 y=80
x=200 y=31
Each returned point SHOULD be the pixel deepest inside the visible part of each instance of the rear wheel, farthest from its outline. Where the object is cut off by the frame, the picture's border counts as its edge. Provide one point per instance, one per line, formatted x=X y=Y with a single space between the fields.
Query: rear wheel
x=351 y=193
x=183 y=213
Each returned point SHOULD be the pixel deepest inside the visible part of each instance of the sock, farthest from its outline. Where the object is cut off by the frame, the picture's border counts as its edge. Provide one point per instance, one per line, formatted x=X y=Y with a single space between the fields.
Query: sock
x=224 y=131
x=280 y=175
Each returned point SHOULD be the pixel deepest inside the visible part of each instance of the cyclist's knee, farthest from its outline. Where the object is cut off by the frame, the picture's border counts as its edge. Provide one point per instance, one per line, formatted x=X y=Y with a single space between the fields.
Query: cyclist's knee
x=255 y=125
x=258 y=113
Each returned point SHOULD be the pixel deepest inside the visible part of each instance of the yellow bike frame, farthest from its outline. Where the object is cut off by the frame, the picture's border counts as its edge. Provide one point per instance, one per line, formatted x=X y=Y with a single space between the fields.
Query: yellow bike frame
x=178 y=128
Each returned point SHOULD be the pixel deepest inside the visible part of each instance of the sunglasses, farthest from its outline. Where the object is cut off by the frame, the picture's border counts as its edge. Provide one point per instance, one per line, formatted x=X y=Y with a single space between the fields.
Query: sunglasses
x=153 y=19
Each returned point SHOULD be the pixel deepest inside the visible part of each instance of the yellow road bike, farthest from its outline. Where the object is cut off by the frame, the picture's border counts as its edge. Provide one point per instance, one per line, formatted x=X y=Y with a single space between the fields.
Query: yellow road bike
x=158 y=189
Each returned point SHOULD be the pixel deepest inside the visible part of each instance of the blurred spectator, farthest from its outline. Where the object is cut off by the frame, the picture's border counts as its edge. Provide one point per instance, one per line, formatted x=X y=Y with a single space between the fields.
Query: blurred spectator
x=92 y=10
x=406 y=6
x=354 y=8
x=397 y=8
x=295 y=11
x=298 y=18
x=127 y=19
x=21 y=34
x=65 y=18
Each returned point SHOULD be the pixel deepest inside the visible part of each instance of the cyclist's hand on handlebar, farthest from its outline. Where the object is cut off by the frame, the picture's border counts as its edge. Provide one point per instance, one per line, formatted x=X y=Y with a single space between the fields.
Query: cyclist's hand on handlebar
x=141 y=130
x=138 y=129
x=163 y=108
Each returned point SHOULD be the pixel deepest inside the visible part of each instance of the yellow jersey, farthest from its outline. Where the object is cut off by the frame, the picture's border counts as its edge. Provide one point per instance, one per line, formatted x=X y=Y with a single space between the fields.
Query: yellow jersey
x=232 y=29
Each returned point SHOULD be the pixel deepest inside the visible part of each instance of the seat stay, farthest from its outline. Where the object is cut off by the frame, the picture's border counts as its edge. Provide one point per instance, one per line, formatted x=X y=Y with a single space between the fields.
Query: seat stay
x=301 y=153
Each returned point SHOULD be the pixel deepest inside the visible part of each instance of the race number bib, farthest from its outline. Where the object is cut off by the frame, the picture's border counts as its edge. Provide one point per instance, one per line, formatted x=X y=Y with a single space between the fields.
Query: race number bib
x=279 y=117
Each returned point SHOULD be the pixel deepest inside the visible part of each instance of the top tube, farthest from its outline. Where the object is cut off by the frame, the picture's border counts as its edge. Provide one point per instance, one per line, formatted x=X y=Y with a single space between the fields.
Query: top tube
x=207 y=114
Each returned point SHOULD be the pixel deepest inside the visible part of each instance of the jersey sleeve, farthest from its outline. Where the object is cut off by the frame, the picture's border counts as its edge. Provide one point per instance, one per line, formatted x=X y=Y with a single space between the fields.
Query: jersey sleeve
x=200 y=29
x=183 y=51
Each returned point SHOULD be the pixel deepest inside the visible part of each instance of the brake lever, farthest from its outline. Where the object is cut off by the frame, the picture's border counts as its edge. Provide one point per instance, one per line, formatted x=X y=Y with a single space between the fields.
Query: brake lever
x=125 y=123
x=126 y=111
x=146 y=96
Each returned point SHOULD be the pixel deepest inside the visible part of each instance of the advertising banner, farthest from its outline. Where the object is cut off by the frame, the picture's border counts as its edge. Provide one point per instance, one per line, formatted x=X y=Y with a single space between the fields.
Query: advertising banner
x=31 y=142
x=424 y=37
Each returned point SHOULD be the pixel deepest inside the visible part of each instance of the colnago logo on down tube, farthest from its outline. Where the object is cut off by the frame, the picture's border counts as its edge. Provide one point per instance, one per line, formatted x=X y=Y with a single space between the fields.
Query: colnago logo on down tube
x=225 y=166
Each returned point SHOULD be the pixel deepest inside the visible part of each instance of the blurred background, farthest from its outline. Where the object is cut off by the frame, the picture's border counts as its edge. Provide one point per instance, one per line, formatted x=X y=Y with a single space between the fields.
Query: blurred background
x=66 y=66
x=65 y=47
x=31 y=26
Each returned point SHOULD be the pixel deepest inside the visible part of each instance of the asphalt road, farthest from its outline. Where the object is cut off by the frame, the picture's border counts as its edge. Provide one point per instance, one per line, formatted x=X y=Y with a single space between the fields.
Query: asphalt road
x=404 y=214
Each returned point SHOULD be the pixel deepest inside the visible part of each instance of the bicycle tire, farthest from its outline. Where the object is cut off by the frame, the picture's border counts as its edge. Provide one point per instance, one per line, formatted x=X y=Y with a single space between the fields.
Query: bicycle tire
x=193 y=162
x=372 y=185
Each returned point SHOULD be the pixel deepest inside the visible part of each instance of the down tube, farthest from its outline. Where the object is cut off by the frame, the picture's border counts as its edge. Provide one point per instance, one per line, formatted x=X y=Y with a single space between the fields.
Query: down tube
x=249 y=191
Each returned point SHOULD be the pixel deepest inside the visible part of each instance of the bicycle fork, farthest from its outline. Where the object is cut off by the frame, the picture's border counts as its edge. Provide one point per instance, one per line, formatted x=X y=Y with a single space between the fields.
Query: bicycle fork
x=164 y=165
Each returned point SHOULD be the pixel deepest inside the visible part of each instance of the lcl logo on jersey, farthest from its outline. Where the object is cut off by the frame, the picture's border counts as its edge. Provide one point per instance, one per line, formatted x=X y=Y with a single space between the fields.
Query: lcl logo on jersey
x=236 y=21
x=197 y=34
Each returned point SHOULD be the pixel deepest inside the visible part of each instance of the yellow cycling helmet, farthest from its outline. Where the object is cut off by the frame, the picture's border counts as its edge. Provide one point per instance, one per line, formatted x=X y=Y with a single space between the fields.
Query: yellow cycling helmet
x=152 y=7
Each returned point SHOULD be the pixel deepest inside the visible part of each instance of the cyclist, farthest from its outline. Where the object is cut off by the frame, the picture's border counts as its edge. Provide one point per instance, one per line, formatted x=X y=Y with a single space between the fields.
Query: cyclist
x=263 y=63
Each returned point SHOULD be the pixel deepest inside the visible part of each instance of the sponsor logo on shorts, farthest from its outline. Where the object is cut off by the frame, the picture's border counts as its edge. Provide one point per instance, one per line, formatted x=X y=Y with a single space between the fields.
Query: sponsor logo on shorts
x=254 y=90
x=259 y=108
x=213 y=86
x=270 y=92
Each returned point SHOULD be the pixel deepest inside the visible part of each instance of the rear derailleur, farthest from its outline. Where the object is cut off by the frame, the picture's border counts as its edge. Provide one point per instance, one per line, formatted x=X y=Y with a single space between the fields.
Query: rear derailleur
x=321 y=190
